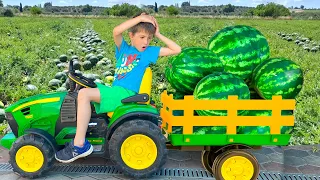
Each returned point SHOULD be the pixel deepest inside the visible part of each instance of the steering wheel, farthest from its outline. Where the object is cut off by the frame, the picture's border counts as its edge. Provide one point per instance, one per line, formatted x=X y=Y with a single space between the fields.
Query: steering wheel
x=78 y=79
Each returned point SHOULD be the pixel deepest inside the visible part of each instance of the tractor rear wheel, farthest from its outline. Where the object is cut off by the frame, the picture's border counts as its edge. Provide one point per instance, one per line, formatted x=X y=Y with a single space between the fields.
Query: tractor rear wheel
x=138 y=148
x=31 y=156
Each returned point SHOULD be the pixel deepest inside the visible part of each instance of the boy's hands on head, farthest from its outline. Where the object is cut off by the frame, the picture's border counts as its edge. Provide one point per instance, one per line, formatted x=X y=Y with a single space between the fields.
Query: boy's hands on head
x=157 y=27
x=146 y=18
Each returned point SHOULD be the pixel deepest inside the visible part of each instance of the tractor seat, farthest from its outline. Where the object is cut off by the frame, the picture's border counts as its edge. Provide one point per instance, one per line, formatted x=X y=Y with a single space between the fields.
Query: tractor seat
x=144 y=91
x=136 y=98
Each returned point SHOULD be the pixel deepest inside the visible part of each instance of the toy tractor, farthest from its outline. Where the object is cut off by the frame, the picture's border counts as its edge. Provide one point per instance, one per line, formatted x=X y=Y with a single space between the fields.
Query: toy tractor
x=136 y=137
x=42 y=124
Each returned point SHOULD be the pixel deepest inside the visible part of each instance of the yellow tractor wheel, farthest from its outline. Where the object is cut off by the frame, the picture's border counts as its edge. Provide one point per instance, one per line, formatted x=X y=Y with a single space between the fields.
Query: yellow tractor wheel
x=236 y=164
x=31 y=156
x=138 y=148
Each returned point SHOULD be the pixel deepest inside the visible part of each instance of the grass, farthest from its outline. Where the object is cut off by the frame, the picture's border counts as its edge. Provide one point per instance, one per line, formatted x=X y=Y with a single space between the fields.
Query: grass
x=45 y=39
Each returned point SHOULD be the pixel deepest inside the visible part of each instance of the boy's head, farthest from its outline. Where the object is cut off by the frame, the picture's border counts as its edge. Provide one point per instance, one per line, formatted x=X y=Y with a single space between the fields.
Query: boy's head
x=141 y=34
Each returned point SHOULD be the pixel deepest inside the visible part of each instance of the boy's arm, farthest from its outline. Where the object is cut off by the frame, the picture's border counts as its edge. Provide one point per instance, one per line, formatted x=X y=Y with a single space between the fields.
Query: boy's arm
x=171 y=49
x=118 y=30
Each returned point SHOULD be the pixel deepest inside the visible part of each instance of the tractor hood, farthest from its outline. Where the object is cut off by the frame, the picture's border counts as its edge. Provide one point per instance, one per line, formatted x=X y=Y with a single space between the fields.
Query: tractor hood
x=39 y=111
x=36 y=99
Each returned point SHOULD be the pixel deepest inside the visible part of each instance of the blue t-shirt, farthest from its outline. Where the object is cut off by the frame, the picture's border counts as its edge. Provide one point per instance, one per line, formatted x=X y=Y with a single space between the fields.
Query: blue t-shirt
x=131 y=65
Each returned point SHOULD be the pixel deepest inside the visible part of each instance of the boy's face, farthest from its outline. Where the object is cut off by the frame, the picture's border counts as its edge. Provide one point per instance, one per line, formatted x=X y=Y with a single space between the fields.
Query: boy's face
x=140 y=40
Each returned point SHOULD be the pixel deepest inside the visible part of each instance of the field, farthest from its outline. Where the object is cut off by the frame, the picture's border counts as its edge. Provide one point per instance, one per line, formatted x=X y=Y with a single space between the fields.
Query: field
x=29 y=46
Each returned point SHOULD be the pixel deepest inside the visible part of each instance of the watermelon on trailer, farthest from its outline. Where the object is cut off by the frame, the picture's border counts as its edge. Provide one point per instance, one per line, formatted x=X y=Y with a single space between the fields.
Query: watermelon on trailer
x=199 y=130
x=278 y=76
x=219 y=85
x=178 y=95
x=240 y=48
x=185 y=70
x=263 y=129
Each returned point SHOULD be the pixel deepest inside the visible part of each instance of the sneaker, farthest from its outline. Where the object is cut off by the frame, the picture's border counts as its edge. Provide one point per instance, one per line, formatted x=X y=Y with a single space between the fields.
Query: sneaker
x=71 y=153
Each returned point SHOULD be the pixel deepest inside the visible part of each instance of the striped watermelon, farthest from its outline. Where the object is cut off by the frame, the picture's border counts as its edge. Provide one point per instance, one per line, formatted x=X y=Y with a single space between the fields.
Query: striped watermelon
x=201 y=130
x=278 y=76
x=178 y=95
x=185 y=70
x=240 y=48
x=263 y=129
x=219 y=85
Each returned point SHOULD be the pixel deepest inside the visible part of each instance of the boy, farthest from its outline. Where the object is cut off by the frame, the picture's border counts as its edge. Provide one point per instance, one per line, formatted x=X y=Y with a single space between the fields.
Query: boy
x=132 y=60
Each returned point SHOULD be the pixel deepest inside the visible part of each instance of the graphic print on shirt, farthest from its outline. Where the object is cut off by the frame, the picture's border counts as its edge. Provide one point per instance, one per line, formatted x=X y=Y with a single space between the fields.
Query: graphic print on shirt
x=125 y=64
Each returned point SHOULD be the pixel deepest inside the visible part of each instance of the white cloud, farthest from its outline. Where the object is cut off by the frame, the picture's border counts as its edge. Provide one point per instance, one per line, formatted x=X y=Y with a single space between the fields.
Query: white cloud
x=63 y=2
x=95 y=2
x=297 y=0
x=236 y=1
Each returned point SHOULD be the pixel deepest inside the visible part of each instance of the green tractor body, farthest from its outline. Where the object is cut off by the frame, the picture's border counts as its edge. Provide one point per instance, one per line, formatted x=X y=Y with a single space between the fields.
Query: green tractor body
x=43 y=124
x=54 y=114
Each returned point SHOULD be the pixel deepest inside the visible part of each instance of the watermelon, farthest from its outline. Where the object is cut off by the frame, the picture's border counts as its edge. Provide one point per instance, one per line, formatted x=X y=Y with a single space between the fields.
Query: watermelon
x=185 y=70
x=176 y=129
x=200 y=130
x=63 y=58
x=240 y=48
x=209 y=130
x=278 y=76
x=219 y=85
x=178 y=95
x=263 y=129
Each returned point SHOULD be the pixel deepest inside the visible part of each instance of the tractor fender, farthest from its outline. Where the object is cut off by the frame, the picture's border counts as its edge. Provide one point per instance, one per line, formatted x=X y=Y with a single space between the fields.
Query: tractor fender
x=154 y=118
x=48 y=137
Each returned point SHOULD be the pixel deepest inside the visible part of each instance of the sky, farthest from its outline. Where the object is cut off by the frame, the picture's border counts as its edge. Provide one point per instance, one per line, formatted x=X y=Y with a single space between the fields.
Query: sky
x=110 y=3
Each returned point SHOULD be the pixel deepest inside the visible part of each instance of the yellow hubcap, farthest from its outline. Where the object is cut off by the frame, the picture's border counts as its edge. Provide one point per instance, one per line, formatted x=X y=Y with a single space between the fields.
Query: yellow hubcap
x=29 y=158
x=236 y=168
x=138 y=151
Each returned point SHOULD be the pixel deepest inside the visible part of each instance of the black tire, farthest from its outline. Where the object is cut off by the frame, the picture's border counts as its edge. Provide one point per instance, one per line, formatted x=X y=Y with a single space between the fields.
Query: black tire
x=42 y=145
x=134 y=127
x=217 y=166
x=207 y=159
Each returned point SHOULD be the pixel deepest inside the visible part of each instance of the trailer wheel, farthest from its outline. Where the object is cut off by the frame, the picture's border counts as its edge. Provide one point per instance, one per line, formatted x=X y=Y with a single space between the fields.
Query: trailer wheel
x=236 y=164
x=207 y=159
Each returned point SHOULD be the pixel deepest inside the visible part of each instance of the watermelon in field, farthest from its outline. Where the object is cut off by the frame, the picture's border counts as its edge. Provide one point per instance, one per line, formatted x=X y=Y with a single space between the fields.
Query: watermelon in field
x=219 y=85
x=240 y=48
x=185 y=70
x=263 y=129
x=278 y=76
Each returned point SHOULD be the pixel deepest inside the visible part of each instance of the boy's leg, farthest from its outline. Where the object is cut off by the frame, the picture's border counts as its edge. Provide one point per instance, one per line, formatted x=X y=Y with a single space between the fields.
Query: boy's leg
x=85 y=96
x=80 y=147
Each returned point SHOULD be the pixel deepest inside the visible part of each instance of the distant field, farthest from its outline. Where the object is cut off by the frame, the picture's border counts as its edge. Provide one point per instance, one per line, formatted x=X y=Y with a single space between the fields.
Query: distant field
x=29 y=46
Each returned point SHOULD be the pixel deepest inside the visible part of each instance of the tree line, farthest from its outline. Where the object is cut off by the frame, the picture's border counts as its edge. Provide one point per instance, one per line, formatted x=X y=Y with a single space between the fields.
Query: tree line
x=125 y=9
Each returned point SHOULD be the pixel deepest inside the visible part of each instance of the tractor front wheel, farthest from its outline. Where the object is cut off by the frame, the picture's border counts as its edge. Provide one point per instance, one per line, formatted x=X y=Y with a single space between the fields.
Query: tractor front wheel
x=31 y=156
x=138 y=148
